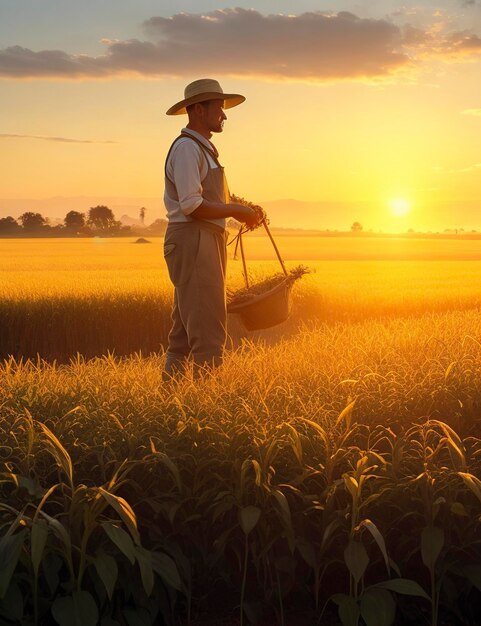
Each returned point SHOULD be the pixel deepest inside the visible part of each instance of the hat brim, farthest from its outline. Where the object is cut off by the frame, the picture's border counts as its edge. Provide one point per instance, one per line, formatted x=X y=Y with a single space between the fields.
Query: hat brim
x=230 y=100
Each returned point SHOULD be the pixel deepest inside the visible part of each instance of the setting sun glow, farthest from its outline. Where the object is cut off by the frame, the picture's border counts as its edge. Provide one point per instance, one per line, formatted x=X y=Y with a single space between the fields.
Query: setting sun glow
x=399 y=206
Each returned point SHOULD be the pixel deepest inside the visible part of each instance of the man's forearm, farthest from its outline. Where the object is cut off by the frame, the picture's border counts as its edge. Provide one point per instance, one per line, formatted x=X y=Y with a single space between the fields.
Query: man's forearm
x=216 y=210
x=211 y=210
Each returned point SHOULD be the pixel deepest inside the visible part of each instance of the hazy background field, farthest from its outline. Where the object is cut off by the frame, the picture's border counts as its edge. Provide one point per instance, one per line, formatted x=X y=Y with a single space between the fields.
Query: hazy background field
x=60 y=297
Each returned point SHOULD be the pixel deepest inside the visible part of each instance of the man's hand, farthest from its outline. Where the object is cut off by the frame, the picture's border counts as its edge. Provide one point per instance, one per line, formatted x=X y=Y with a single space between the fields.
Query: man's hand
x=250 y=217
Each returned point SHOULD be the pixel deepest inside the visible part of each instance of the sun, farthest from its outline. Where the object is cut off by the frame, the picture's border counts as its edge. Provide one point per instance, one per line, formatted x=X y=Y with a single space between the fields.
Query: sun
x=399 y=206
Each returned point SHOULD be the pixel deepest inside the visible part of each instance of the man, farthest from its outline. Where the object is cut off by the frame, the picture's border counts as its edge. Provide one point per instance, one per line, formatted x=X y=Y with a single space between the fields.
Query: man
x=197 y=203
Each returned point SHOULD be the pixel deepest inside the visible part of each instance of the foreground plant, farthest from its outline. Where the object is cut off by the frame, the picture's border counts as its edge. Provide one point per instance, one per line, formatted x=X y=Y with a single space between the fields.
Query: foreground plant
x=321 y=440
x=75 y=538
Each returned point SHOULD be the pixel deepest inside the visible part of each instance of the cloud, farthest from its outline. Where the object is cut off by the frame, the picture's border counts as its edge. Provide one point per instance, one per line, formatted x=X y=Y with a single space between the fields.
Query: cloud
x=462 y=43
x=471 y=112
x=314 y=46
x=59 y=139
x=18 y=62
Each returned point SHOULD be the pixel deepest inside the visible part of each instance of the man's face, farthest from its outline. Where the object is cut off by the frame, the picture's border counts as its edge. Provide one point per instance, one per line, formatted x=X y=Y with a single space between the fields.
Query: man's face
x=215 y=115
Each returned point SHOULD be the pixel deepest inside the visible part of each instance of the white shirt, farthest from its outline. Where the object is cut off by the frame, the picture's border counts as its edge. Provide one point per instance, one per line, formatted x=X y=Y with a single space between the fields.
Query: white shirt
x=186 y=168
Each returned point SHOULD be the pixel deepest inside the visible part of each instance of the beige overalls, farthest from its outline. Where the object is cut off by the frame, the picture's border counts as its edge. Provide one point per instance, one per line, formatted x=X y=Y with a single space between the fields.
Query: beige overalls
x=195 y=253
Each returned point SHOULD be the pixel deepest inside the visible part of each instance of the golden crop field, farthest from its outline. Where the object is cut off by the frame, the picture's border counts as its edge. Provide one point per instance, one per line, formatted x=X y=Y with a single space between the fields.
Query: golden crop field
x=328 y=473
x=60 y=297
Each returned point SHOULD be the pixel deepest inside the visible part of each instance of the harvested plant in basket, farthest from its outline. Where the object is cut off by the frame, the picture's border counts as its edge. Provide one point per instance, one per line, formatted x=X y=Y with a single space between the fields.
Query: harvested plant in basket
x=266 y=303
x=246 y=294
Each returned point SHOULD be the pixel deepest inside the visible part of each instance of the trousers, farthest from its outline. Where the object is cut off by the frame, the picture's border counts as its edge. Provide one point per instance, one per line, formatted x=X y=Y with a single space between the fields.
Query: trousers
x=196 y=258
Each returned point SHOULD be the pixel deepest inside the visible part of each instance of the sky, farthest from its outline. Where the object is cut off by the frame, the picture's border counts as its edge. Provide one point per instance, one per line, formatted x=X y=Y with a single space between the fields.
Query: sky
x=366 y=111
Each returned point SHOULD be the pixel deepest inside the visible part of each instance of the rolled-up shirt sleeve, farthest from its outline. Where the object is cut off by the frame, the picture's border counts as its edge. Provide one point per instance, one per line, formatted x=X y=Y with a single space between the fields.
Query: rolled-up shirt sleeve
x=189 y=168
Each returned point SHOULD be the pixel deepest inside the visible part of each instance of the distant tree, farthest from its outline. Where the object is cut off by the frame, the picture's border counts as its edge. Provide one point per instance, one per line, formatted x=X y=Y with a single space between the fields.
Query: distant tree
x=158 y=227
x=32 y=222
x=74 y=221
x=101 y=218
x=356 y=227
x=142 y=215
x=9 y=226
x=86 y=231
x=56 y=231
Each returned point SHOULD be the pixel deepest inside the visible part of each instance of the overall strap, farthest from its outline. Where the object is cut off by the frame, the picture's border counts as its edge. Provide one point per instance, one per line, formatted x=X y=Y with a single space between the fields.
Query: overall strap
x=203 y=147
x=210 y=151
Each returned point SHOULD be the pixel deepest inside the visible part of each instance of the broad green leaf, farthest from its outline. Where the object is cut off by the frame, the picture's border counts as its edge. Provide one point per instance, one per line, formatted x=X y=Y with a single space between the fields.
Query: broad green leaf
x=456 y=453
x=10 y=549
x=51 y=565
x=394 y=566
x=60 y=531
x=283 y=507
x=432 y=542
x=473 y=483
x=361 y=464
x=346 y=415
x=125 y=511
x=378 y=538
x=348 y=609
x=318 y=428
x=456 y=446
x=352 y=486
x=38 y=540
x=58 y=452
x=107 y=570
x=248 y=517
x=79 y=609
x=378 y=607
x=144 y=559
x=166 y=568
x=328 y=532
x=11 y=606
x=121 y=538
x=404 y=586
x=171 y=466
x=459 y=509
x=356 y=559
x=257 y=471
x=296 y=443
x=18 y=521
x=44 y=499
x=30 y=484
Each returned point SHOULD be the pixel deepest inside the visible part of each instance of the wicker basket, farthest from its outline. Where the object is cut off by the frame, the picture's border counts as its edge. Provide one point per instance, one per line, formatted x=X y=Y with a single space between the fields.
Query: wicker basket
x=266 y=309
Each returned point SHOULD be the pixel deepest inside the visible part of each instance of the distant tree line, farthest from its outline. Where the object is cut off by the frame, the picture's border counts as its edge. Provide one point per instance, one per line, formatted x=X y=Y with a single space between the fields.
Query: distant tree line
x=98 y=221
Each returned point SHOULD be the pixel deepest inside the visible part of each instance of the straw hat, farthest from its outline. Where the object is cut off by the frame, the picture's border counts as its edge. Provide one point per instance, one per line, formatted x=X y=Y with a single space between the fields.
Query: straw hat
x=202 y=90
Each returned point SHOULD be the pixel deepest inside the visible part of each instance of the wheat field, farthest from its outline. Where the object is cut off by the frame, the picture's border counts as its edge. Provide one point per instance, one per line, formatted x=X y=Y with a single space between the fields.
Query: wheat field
x=93 y=296
x=328 y=473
